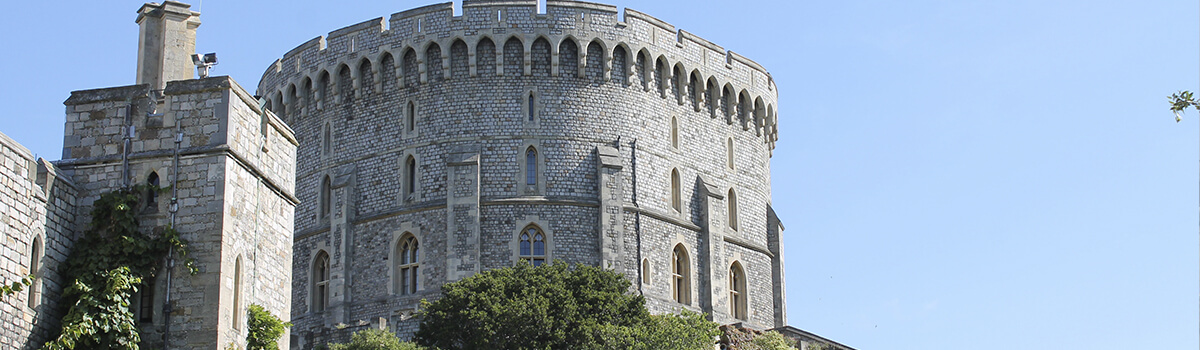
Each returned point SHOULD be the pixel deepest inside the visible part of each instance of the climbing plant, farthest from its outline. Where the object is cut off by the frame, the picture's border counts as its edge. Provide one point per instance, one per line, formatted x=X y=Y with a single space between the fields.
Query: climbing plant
x=16 y=287
x=111 y=260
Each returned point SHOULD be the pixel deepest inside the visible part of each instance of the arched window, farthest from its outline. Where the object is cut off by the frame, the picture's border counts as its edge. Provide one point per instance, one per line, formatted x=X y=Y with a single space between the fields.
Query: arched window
x=407 y=263
x=326 y=196
x=676 y=196
x=533 y=245
x=152 y=192
x=320 y=282
x=237 y=294
x=675 y=132
x=529 y=106
x=729 y=152
x=737 y=291
x=531 y=175
x=410 y=116
x=732 y=201
x=645 y=271
x=327 y=140
x=681 y=290
x=410 y=177
x=35 y=267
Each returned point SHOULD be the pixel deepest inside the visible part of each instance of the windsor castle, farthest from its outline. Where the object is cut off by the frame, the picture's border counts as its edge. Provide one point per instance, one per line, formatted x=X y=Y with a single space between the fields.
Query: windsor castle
x=374 y=164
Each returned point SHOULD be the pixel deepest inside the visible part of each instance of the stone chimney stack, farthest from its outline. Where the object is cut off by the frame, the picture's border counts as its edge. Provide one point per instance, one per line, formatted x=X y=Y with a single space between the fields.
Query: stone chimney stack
x=166 y=42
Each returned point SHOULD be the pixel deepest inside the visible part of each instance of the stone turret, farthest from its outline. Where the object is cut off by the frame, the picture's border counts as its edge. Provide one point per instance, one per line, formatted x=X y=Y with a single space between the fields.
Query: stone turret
x=166 y=41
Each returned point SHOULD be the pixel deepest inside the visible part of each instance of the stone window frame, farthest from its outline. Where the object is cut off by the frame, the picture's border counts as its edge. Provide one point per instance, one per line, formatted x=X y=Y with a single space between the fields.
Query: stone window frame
x=731 y=207
x=143 y=302
x=523 y=187
x=531 y=98
x=37 y=253
x=412 y=118
x=681 y=274
x=646 y=270
x=409 y=195
x=675 y=192
x=325 y=198
x=326 y=138
x=739 y=296
x=314 y=284
x=238 y=290
x=521 y=225
x=406 y=230
x=730 y=160
x=674 y=132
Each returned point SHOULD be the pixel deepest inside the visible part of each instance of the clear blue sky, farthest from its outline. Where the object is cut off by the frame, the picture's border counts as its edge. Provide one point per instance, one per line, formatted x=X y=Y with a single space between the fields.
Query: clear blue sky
x=952 y=174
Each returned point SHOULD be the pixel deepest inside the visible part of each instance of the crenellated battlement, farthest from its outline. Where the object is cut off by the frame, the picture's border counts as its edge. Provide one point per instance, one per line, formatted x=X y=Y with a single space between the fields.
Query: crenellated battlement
x=636 y=50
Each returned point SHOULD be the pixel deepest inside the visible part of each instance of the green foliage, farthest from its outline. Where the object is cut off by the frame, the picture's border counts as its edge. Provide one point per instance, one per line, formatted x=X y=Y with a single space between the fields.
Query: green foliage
x=685 y=331
x=16 y=287
x=375 y=339
x=1180 y=101
x=772 y=340
x=100 y=318
x=554 y=306
x=113 y=259
x=263 y=329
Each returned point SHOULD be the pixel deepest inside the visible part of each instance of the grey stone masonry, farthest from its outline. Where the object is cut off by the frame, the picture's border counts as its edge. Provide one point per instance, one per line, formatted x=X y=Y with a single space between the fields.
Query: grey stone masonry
x=37 y=213
x=230 y=166
x=616 y=138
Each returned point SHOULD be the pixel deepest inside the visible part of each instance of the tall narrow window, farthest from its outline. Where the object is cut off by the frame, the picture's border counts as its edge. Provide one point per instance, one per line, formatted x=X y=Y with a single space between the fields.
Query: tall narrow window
x=676 y=196
x=326 y=142
x=35 y=267
x=674 y=132
x=237 y=294
x=146 y=301
x=410 y=177
x=326 y=197
x=645 y=271
x=406 y=265
x=680 y=276
x=410 y=116
x=529 y=106
x=732 y=201
x=152 y=192
x=320 y=278
x=533 y=245
x=729 y=152
x=531 y=175
x=737 y=291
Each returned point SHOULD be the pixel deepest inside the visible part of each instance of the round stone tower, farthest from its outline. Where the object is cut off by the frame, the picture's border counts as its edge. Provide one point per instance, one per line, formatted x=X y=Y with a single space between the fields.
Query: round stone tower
x=435 y=145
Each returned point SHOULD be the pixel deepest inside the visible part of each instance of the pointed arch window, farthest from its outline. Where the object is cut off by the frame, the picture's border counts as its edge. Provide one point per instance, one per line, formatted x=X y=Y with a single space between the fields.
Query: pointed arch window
x=533 y=245
x=732 y=202
x=320 y=284
x=645 y=271
x=410 y=116
x=531 y=174
x=410 y=177
x=675 y=132
x=152 y=192
x=681 y=290
x=737 y=291
x=237 y=294
x=729 y=153
x=326 y=197
x=326 y=139
x=676 y=195
x=530 y=107
x=407 y=264
x=35 y=269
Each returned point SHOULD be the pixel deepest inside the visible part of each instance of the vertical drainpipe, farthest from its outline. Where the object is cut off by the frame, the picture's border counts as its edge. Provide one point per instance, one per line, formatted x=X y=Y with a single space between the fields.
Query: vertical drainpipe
x=637 y=215
x=173 y=210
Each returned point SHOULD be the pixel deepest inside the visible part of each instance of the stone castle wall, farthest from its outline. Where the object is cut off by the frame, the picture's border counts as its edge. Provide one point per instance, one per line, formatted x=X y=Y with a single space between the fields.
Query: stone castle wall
x=604 y=93
x=233 y=180
x=37 y=217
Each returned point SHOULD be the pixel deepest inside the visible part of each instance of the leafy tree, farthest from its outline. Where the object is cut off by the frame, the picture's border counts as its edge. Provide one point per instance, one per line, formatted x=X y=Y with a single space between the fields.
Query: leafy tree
x=554 y=306
x=1180 y=101
x=374 y=339
x=263 y=329
x=16 y=287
